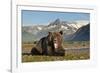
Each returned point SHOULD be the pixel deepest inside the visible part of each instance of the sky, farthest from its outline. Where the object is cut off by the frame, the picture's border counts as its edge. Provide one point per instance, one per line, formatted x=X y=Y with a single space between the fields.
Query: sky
x=30 y=17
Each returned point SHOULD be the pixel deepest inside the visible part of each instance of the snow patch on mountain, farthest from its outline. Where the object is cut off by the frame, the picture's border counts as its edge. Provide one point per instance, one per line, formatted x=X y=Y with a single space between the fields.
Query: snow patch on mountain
x=39 y=28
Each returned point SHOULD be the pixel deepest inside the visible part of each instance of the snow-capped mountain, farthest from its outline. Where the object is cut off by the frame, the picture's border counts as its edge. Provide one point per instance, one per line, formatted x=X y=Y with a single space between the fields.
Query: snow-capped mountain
x=82 y=33
x=68 y=28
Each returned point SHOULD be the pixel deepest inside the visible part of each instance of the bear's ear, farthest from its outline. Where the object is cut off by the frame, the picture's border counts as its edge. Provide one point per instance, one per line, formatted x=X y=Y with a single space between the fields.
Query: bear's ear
x=61 y=32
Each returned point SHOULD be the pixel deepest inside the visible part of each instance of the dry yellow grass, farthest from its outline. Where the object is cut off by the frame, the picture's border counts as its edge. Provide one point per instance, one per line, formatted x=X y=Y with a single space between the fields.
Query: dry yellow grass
x=69 y=55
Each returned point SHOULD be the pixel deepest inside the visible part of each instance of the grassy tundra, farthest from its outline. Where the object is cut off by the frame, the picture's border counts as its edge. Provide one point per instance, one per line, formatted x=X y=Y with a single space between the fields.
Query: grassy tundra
x=75 y=50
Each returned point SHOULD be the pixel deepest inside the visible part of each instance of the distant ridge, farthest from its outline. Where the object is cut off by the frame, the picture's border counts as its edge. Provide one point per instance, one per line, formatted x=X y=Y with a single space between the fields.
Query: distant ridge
x=82 y=33
x=71 y=30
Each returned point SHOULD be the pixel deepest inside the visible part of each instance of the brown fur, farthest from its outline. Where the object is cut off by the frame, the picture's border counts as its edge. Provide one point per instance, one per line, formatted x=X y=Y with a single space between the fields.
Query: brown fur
x=50 y=45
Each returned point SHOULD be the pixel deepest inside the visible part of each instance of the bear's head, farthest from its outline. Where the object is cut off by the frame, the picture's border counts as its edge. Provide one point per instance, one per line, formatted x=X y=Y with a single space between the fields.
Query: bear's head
x=55 y=39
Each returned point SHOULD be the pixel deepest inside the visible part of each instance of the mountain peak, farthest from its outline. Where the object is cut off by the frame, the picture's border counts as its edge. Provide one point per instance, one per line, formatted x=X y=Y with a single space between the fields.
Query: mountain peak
x=56 y=22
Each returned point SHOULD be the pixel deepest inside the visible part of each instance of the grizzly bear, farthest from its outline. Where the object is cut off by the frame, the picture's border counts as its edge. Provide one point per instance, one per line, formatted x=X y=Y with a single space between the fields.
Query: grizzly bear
x=50 y=45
